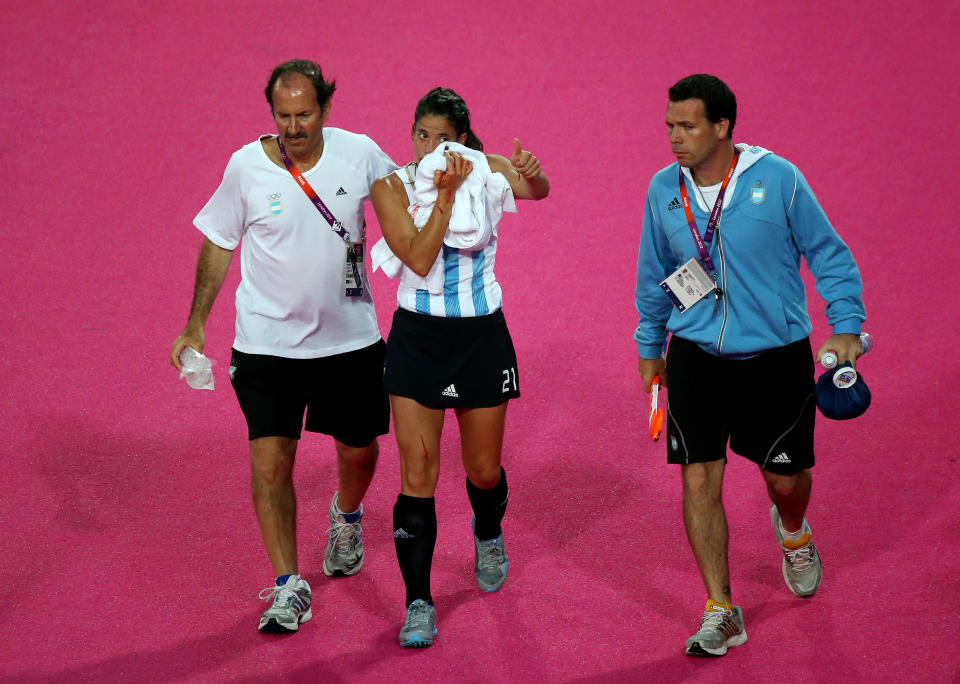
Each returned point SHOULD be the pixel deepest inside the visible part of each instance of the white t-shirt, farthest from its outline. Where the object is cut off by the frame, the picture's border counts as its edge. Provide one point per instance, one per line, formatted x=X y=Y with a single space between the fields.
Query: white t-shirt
x=291 y=301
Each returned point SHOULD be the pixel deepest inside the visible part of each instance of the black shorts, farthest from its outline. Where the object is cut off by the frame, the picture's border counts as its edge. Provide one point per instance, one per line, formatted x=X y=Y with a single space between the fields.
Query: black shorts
x=451 y=362
x=763 y=405
x=343 y=394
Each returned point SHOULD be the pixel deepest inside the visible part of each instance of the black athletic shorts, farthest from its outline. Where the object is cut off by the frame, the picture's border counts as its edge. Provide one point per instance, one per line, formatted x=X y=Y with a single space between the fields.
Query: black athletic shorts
x=342 y=394
x=763 y=405
x=451 y=362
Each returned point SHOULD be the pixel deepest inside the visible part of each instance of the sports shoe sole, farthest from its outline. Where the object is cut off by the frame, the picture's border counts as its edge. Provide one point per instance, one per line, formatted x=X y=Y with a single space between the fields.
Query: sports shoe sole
x=337 y=572
x=416 y=641
x=695 y=649
x=274 y=627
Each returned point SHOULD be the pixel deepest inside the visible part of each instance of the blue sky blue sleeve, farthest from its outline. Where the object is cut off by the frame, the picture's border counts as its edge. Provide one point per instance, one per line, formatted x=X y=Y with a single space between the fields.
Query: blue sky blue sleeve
x=653 y=305
x=828 y=257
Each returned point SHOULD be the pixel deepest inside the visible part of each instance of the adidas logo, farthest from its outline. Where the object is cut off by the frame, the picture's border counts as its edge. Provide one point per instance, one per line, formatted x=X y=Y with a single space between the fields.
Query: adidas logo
x=674 y=204
x=782 y=458
x=341 y=191
x=402 y=534
x=451 y=391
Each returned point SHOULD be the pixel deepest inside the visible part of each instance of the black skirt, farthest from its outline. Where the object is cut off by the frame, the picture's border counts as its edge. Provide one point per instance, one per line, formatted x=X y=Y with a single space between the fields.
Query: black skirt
x=451 y=362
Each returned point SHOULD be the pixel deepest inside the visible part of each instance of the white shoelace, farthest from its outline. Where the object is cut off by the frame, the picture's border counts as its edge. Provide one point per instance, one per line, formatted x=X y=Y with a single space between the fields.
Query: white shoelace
x=800 y=559
x=281 y=596
x=343 y=543
x=714 y=617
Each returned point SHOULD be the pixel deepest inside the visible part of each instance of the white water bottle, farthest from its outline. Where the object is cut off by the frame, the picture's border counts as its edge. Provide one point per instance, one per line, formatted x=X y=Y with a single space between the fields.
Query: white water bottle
x=196 y=369
x=829 y=359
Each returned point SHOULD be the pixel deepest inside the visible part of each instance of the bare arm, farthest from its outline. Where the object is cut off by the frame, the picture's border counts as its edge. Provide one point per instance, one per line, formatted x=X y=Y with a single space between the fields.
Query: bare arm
x=526 y=178
x=418 y=250
x=212 y=267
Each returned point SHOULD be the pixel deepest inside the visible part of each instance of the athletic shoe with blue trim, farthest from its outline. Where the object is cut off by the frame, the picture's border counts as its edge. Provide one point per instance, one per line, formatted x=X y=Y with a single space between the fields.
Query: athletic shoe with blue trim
x=420 y=628
x=344 y=554
x=290 y=607
x=802 y=569
x=720 y=628
x=490 y=562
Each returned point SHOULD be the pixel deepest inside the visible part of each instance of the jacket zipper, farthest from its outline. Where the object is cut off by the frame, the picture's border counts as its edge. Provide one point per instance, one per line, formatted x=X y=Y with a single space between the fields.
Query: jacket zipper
x=723 y=288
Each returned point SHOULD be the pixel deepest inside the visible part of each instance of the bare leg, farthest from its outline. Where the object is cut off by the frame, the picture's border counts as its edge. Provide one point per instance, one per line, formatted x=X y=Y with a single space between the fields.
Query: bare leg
x=418 y=431
x=791 y=494
x=274 y=499
x=481 y=443
x=706 y=525
x=355 y=467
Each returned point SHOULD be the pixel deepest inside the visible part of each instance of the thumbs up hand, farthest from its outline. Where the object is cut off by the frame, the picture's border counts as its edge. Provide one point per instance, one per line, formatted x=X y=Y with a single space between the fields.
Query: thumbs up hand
x=524 y=162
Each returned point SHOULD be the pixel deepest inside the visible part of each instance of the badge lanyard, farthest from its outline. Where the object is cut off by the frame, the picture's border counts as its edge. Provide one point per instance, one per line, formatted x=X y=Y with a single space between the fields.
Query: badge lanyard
x=713 y=222
x=335 y=225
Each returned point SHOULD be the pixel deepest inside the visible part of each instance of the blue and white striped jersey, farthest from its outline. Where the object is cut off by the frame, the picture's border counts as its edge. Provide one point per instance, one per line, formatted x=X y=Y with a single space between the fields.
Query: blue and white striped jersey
x=469 y=285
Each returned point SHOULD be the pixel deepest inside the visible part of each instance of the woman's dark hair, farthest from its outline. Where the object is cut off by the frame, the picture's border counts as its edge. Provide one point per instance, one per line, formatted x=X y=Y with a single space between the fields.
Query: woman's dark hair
x=307 y=68
x=446 y=103
x=719 y=101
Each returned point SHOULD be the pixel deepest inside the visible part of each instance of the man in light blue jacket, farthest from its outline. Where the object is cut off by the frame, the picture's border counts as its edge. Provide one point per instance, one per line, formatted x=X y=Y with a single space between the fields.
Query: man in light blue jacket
x=724 y=229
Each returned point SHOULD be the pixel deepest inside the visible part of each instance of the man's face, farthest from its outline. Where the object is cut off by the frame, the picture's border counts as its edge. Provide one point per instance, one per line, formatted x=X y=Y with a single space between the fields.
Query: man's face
x=298 y=116
x=693 y=139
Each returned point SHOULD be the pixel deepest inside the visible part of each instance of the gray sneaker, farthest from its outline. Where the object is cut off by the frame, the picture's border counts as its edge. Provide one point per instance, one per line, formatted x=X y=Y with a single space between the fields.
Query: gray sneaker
x=802 y=570
x=290 y=606
x=719 y=629
x=420 y=628
x=490 y=562
x=344 y=554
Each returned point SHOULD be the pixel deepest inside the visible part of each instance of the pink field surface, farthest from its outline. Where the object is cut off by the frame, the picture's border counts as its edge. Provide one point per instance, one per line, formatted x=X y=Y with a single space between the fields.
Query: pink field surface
x=129 y=547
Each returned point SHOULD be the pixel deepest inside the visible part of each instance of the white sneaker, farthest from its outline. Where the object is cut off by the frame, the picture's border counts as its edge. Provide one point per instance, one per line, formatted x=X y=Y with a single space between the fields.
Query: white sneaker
x=344 y=554
x=802 y=569
x=290 y=606
x=719 y=629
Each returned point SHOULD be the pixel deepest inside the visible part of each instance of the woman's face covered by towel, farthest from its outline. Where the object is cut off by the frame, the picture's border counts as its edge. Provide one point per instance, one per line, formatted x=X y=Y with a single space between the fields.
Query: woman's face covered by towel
x=430 y=131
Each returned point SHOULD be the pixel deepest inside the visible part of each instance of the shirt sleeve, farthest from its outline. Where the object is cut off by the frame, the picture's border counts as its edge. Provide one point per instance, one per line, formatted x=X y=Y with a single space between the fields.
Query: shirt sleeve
x=380 y=163
x=830 y=261
x=652 y=304
x=223 y=217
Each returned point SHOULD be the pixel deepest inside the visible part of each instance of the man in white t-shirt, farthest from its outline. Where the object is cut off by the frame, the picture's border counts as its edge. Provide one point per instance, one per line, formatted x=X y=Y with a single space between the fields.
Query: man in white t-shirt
x=306 y=330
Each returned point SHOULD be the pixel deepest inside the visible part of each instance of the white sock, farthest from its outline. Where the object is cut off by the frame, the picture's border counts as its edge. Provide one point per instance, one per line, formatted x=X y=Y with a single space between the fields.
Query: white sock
x=787 y=534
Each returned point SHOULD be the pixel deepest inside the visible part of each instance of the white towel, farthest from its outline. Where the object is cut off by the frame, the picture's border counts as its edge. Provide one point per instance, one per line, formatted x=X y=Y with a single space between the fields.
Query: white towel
x=478 y=205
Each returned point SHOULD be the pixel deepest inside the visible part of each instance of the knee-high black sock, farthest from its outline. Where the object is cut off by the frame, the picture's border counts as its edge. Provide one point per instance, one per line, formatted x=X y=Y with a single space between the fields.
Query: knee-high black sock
x=489 y=505
x=415 y=536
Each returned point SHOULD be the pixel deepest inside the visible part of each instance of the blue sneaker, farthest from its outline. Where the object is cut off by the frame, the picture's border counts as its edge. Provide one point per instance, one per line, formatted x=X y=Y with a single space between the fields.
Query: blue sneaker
x=420 y=628
x=290 y=606
x=490 y=562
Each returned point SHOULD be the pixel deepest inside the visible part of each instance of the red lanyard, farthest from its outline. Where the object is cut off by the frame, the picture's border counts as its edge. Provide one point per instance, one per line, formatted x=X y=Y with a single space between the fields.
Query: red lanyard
x=328 y=216
x=714 y=221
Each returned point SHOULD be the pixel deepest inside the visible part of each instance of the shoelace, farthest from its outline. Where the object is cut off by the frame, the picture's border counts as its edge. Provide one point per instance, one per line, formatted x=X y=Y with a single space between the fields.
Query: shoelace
x=721 y=620
x=491 y=557
x=343 y=543
x=714 y=617
x=800 y=559
x=418 y=615
x=281 y=596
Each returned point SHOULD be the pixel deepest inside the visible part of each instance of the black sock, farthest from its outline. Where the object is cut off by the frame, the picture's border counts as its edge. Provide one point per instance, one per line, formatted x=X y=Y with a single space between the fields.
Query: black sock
x=489 y=505
x=415 y=536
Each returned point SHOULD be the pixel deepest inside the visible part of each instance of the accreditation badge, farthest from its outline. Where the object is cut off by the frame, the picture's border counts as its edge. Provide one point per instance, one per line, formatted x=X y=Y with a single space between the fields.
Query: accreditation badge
x=687 y=285
x=353 y=268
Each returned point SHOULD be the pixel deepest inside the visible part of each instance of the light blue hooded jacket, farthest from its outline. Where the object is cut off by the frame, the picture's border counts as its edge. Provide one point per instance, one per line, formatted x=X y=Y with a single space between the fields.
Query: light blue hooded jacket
x=770 y=219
